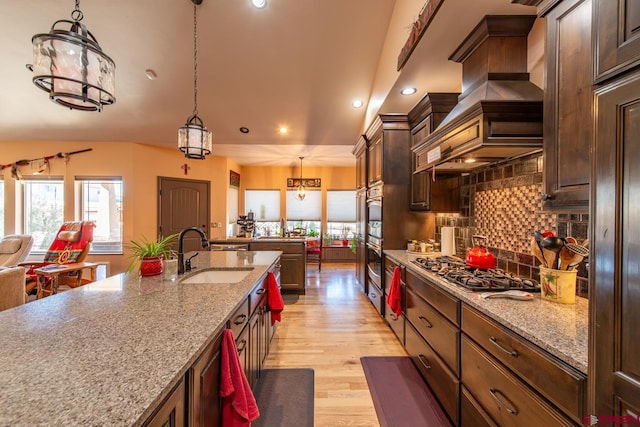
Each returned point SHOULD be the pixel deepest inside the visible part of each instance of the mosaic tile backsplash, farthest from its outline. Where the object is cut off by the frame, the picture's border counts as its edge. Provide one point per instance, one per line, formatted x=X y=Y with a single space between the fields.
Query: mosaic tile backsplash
x=504 y=204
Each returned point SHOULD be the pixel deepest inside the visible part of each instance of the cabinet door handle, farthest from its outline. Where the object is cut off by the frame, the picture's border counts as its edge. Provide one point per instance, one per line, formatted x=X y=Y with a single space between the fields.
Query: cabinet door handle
x=509 y=409
x=546 y=197
x=424 y=361
x=393 y=316
x=372 y=295
x=425 y=322
x=242 y=346
x=240 y=319
x=495 y=342
x=260 y=291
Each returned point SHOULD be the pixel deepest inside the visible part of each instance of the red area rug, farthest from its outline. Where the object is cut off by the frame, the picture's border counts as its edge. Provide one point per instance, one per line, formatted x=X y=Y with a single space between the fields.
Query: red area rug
x=400 y=395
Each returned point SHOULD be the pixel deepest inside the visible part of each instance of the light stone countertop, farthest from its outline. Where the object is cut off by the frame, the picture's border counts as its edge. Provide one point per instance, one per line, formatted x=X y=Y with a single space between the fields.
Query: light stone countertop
x=560 y=329
x=109 y=352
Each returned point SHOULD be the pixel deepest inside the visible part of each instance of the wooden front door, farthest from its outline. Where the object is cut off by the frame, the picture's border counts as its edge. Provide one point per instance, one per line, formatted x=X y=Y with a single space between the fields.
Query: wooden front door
x=183 y=203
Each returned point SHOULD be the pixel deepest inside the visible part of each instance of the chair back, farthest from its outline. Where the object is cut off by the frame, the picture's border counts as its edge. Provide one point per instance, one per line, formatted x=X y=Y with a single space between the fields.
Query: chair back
x=15 y=248
x=72 y=243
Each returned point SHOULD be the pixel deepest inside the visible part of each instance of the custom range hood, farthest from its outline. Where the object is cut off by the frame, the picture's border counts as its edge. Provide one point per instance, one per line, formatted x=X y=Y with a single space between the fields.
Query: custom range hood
x=499 y=113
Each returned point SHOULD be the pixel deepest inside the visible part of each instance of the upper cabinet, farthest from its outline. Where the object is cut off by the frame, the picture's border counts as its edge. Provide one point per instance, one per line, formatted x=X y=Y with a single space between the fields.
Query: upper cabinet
x=443 y=193
x=617 y=37
x=568 y=105
x=360 y=152
x=388 y=150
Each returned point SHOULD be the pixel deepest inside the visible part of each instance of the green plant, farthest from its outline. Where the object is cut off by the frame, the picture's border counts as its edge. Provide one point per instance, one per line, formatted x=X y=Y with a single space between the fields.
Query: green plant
x=313 y=233
x=352 y=243
x=143 y=248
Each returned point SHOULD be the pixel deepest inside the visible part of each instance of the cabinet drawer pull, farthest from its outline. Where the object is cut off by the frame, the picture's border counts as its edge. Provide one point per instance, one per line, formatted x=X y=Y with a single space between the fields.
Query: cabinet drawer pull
x=240 y=319
x=424 y=361
x=242 y=346
x=509 y=409
x=425 y=322
x=509 y=352
x=260 y=291
x=393 y=316
x=372 y=295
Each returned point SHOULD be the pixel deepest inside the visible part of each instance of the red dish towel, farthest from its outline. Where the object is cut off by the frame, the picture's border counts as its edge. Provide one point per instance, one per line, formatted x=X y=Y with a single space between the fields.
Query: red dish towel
x=239 y=406
x=394 y=299
x=274 y=298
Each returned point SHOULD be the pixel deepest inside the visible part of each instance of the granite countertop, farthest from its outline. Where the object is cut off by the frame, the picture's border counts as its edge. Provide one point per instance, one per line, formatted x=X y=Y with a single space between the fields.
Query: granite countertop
x=560 y=329
x=109 y=352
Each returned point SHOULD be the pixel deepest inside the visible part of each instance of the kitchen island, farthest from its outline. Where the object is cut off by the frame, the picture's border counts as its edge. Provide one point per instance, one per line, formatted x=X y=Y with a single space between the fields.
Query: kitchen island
x=293 y=270
x=110 y=352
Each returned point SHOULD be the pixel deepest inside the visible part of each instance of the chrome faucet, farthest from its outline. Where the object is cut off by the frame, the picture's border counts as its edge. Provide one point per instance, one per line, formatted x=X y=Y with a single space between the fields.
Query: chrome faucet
x=205 y=244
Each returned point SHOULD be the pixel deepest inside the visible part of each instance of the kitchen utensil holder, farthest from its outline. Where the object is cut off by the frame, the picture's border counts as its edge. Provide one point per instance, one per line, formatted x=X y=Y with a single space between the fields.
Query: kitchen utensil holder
x=558 y=285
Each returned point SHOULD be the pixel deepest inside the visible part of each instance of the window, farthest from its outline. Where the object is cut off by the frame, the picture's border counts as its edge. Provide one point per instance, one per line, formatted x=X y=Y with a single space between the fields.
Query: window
x=265 y=205
x=304 y=214
x=43 y=210
x=341 y=214
x=100 y=201
x=232 y=210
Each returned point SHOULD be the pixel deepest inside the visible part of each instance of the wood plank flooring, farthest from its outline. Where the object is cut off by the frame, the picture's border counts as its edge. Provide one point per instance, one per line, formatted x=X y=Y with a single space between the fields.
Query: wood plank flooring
x=329 y=329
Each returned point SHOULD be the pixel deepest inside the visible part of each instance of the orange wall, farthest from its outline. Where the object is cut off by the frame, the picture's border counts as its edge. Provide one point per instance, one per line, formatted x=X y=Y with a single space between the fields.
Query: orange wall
x=139 y=166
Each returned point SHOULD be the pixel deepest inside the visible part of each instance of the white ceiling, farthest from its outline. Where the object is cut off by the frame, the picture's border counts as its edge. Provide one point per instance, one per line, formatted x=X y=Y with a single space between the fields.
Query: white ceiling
x=296 y=63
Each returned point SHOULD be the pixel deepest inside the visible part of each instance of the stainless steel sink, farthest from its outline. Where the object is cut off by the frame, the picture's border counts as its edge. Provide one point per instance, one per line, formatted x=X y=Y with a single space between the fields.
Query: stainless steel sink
x=231 y=275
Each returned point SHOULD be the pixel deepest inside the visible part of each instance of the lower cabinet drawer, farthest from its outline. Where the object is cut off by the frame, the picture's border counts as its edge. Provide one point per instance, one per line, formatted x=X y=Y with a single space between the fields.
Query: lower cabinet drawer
x=375 y=296
x=471 y=413
x=395 y=322
x=503 y=396
x=239 y=318
x=444 y=385
x=441 y=334
x=561 y=384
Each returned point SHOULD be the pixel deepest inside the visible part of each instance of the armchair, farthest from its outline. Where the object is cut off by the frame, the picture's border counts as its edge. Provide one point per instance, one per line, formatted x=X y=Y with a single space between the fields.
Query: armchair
x=12 y=287
x=71 y=245
x=14 y=248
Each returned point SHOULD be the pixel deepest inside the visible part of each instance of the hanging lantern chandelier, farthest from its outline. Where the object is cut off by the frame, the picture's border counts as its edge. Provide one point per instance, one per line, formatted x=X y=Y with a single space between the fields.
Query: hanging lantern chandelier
x=70 y=65
x=194 y=139
x=302 y=192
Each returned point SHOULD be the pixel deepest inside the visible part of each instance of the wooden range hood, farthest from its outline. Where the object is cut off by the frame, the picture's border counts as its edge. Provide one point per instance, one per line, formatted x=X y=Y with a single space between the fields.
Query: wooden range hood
x=499 y=113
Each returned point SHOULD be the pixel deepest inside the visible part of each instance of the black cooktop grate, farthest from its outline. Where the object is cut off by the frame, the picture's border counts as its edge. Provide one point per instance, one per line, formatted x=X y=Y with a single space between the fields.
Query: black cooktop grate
x=456 y=271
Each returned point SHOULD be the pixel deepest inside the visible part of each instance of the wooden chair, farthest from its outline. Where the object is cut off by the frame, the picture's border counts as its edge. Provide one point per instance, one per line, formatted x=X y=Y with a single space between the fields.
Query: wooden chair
x=314 y=251
x=71 y=245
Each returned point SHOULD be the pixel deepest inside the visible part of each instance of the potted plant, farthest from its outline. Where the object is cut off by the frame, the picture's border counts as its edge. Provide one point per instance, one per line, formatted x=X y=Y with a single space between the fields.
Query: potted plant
x=147 y=256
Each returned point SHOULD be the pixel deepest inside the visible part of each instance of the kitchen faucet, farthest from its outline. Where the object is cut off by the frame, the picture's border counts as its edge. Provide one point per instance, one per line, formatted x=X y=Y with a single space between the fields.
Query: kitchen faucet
x=205 y=244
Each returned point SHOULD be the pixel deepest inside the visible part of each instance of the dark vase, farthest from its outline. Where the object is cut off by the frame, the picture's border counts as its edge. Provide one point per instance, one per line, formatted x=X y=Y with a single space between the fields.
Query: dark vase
x=151 y=266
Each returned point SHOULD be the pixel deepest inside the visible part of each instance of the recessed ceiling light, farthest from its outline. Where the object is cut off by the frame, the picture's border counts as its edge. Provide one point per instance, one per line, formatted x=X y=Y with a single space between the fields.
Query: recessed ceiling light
x=259 y=3
x=408 y=91
x=283 y=130
x=151 y=75
x=357 y=103
x=244 y=129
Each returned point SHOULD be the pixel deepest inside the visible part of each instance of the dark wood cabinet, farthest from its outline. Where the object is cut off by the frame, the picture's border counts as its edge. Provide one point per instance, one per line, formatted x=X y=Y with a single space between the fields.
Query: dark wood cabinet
x=293 y=266
x=361 y=227
x=395 y=322
x=360 y=152
x=204 y=387
x=374 y=160
x=172 y=412
x=443 y=194
x=568 y=106
x=617 y=37
x=614 y=358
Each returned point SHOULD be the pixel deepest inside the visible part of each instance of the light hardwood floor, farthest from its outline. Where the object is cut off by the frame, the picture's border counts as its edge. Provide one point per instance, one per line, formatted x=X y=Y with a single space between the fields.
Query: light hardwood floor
x=329 y=329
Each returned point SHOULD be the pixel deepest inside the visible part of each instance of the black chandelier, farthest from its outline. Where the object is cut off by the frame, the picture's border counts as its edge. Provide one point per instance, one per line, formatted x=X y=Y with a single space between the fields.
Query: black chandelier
x=194 y=139
x=69 y=64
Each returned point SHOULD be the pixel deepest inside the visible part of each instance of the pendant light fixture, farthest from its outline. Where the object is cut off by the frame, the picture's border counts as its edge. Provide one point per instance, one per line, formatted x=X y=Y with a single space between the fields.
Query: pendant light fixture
x=302 y=192
x=194 y=139
x=70 y=65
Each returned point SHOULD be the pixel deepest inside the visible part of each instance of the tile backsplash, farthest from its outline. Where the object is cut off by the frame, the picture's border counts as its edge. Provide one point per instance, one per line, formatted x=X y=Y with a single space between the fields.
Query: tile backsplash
x=503 y=203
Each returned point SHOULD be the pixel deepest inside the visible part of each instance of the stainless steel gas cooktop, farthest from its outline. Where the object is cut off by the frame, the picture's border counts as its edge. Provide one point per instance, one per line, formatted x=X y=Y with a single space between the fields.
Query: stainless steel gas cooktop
x=456 y=271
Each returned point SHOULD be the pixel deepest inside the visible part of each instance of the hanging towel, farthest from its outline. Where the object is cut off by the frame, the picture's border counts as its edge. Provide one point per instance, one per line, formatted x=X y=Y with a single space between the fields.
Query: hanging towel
x=394 y=299
x=274 y=298
x=239 y=406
